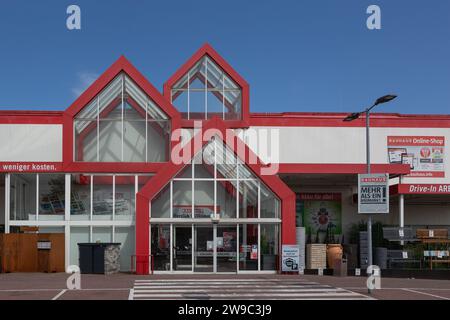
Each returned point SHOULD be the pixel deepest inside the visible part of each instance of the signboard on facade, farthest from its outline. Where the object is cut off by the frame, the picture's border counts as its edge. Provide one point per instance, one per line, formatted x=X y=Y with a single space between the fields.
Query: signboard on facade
x=185 y=211
x=373 y=193
x=31 y=167
x=320 y=212
x=424 y=154
x=290 y=258
x=423 y=188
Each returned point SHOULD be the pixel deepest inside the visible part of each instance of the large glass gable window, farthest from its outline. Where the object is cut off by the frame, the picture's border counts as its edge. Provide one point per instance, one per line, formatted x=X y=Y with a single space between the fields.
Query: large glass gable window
x=207 y=91
x=216 y=183
x=122 y=124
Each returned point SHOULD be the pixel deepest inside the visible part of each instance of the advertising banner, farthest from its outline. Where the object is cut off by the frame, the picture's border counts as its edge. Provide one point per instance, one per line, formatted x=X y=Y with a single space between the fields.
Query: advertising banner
x=373 y=193
x=320 y=212
x=424 y=154
x=423 y=189
x=290 y=258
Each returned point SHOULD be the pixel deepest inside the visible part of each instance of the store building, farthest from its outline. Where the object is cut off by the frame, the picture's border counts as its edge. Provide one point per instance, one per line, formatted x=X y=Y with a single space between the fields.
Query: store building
x=189 y=180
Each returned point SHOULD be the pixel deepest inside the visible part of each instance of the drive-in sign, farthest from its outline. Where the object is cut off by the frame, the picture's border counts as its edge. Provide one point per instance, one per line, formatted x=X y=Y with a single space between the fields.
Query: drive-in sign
x=373 y=193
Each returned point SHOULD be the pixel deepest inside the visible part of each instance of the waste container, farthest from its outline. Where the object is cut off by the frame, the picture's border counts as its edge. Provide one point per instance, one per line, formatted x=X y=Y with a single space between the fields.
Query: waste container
x=92 y=257
x=340 y=267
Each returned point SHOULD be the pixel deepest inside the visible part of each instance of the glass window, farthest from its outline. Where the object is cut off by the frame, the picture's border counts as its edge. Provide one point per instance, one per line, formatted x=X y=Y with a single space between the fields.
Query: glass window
x=125 y=198
x=269 y=204
x=203 y=199
x=248 y=199
x=269 y=246
x=182 y=199
x=51 y=196
x=85 y=140
x=77 y=235
x=126 y=237
x=160 y=246
x=80 y=206
x=226 y=199
x=102 y=234
x=207 y=91
x=23 y=197
x=160 y=207
x=121 y=124
x=102 y=200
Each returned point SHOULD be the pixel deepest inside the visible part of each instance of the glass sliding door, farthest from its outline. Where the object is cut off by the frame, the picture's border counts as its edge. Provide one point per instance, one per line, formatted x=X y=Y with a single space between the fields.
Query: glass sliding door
x=226 y=241
x=248 y=247
x=182 y=255
x=204 y=249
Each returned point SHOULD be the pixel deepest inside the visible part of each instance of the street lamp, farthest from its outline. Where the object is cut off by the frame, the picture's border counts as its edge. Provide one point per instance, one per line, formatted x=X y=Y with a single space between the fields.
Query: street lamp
x=355 y=116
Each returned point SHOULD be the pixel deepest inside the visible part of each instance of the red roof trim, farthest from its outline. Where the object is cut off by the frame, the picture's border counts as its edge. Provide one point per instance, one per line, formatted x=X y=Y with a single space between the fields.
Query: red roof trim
x=315 y=119
x=342 y=168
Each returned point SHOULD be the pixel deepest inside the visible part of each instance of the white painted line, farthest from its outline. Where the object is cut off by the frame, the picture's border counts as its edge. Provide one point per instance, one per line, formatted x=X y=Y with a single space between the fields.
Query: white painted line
x=219 y=283
x=363 y=295
x=235 y=291
x=131 y=295
x=222 y=280
x=215 y=295
x=59 y=294
x=225 y=287
x=427 y=294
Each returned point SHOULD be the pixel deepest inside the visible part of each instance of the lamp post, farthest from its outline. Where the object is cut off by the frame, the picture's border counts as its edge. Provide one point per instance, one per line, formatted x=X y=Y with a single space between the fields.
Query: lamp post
x=355 y=116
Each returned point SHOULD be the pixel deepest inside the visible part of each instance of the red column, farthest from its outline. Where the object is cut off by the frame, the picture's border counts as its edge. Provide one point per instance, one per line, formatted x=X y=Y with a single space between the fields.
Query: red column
x=288 y=227
x=142 y=234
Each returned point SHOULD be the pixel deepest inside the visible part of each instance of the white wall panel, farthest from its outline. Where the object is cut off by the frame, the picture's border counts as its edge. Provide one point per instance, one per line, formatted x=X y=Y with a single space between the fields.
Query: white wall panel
x=339 y=145
x=31 y=142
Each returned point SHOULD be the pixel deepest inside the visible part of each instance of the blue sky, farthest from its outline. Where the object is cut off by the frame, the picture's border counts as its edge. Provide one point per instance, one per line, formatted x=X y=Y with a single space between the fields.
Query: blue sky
x=303 y=55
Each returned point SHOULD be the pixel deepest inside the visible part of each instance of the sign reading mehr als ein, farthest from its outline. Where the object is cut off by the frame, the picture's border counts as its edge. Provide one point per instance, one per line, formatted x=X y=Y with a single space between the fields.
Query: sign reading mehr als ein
x=373 y=193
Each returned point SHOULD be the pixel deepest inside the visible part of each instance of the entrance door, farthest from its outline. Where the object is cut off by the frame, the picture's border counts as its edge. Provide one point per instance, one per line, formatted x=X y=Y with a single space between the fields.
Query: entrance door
x=204 y=248
x=182 y=251
x=226 y=241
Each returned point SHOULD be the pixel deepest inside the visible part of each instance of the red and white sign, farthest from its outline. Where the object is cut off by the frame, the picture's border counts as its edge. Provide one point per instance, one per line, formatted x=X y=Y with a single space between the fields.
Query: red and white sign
x=32 y=167
x=424 y=189
x=319 y=196
x=424 y=154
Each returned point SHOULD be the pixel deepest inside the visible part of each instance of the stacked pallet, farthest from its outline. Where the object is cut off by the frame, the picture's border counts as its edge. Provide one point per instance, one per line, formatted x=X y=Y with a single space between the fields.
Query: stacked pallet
x=316 y=256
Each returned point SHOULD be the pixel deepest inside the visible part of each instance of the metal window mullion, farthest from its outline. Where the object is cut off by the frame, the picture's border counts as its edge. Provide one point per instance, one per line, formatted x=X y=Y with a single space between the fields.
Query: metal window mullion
x=192 y=248
x=237 y=190
x=136 y=190
x=7 y=201
x=98 y=128
x=123 y=87
x=238 y=256
x=37 y=197
x=189 y=96
x=91 y=237
x=223 y=96
x=171 y=199
x=259 y=200
x=215 y=177
x=206 y=88
x=114 y=197
x=146 y=131
x=91 y=211
x=171 y=247
x=259 y=246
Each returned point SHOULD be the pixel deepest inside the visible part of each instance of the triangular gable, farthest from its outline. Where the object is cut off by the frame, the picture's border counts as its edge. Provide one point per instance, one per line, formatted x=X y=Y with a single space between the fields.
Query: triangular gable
x=121 y=65
x=206 y=49
x=273 y=182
